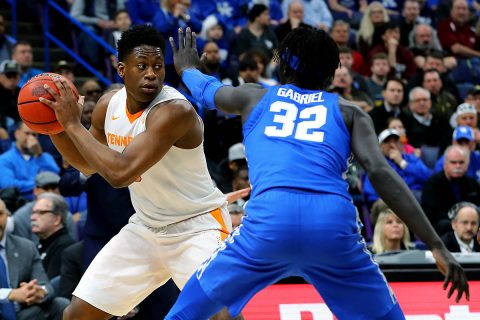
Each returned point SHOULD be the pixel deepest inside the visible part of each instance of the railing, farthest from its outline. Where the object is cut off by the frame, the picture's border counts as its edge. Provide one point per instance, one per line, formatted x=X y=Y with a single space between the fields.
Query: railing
x=13 y=5
x=50 y=37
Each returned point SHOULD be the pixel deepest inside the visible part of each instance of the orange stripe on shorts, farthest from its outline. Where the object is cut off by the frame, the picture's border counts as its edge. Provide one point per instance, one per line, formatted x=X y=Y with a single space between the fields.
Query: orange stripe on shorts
x=217 y=215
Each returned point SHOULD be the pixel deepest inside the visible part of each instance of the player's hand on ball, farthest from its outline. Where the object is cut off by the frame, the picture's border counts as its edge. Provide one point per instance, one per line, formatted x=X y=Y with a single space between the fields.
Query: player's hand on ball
x=68 y=109
x=454 y=274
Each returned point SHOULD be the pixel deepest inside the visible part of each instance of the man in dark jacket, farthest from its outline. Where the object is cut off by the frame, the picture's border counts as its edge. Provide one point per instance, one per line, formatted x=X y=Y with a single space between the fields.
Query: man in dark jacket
x=465 y=218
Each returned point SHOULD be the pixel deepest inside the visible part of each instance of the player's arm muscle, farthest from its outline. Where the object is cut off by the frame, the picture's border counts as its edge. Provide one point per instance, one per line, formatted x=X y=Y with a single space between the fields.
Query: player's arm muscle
x=66 y=147
x=389 y=185
x=163 y=130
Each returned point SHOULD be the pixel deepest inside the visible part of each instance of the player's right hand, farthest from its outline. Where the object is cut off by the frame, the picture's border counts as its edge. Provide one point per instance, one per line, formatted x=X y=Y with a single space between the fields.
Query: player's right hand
x=186 y=55
x=454 y=274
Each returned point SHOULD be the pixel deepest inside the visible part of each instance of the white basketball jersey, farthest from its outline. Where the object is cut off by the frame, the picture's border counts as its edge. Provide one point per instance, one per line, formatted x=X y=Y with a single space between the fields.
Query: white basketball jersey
x=177 y=187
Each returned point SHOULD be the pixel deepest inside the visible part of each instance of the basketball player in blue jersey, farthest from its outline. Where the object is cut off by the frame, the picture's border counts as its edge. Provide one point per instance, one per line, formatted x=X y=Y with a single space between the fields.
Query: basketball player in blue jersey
x=146 y=136
x=300 y=219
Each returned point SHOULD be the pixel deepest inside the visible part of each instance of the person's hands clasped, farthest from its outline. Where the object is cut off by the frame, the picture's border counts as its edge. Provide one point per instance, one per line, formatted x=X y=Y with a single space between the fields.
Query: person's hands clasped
x=454 y=274
x=186 y=55
x=68 y=109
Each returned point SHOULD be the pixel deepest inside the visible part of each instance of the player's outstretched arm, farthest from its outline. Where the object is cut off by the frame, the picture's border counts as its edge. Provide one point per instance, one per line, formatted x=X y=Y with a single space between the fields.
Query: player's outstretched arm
x=207 y=90
x=166 y=125
x=393 y=190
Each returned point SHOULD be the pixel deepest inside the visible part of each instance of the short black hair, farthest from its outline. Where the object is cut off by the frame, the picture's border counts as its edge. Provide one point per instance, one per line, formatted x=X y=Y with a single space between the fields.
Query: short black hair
x=256 y=11
x=308 y=57
x=394 y=79
x=119 y=12
x=139 y=35
x=247 y=63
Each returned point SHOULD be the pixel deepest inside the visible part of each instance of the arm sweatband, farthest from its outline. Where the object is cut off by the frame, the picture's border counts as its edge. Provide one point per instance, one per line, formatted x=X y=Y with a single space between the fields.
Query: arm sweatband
x=202 y=87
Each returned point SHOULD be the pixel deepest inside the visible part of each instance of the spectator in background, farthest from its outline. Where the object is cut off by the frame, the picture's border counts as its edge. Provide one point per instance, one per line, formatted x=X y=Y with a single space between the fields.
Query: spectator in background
x=409 y=19
x=343 y=85
x=295 y=18
x=421 y=40
x=397 y=124
x=455 y=33
x=376 y=82
x=248 y=72
x=49 y=216
x=6 y=42
x=465 y=221
x=65 y=69
x=391 y=107
x=317 y=13
x=44 y=182
x=257 y=34
x=241 y=181
x=122 y=22
x=449 y=186
x=236 y=213
x=9 y=90
x=400 y=58
x=23 y=54
x=424 y=128
x=367 y=37
x=466 y=115
x=96 y=16
x=390 y=234
x=213 y=30
x=347 y=60
x=22 y=268
x=91 y=90
x=408 y=166
x=348 y=10
x=169 y=17
x=87 y=111
x=227 y=167
x=443 y=102
x=21 y=163
x=473 y=97
x=141 y=11
x=340 y=33
x=264 y=66
x=464 y=136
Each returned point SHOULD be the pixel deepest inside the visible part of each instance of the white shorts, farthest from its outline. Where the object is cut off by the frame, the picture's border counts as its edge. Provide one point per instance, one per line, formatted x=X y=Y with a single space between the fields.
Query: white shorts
x=139 y=259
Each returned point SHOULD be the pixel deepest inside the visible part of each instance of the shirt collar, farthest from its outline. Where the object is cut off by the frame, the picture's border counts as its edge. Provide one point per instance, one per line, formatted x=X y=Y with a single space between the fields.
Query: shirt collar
x=464 y=247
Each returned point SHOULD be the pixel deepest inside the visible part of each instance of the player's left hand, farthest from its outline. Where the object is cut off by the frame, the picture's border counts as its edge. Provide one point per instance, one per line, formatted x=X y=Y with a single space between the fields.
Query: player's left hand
x=186 y=55
x=454 y=274
x=68 y=109
x=235 y=195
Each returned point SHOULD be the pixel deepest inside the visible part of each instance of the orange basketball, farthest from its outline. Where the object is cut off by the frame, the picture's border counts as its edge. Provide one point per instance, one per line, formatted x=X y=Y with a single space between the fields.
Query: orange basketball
x=36 y=115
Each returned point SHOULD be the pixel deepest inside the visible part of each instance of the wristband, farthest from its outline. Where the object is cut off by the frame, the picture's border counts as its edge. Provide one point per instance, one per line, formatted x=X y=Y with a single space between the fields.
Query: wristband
x=202 y=86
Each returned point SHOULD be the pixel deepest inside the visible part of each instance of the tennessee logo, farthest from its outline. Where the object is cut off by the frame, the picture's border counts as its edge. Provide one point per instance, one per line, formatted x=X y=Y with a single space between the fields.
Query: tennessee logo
x=115 y=118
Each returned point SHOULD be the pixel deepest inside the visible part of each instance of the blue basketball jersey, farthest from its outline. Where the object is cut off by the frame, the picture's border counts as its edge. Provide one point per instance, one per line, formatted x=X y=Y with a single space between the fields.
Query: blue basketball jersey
x=297 y=139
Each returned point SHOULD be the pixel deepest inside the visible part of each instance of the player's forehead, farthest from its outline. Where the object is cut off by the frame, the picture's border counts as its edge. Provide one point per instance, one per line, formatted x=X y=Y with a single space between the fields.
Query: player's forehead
x=144 y=51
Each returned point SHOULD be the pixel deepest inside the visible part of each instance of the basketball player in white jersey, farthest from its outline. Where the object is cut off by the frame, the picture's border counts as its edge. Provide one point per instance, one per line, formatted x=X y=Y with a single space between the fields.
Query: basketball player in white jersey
x=148 y=137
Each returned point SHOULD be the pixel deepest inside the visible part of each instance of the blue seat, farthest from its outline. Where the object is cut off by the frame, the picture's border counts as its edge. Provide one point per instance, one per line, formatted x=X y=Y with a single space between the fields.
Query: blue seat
x=429 y=155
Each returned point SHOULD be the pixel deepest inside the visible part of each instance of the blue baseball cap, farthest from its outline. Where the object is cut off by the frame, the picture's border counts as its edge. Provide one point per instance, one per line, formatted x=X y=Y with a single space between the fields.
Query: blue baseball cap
x=463 y=132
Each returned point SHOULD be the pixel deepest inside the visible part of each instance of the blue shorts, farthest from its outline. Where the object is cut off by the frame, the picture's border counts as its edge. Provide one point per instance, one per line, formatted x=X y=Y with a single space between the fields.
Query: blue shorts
x=315 y=236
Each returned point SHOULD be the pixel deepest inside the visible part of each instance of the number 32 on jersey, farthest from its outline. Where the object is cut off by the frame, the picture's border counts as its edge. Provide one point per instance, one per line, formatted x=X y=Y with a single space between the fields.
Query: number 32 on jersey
x=306 y=124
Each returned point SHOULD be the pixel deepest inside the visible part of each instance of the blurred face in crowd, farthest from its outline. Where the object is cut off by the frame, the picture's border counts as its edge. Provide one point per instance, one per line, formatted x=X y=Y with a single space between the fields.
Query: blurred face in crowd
x=9 y=80
x=346 y=59
x=340 y=34
x=474 y=98
x=87 y=111
x=213 y=54
x=434 y=63
x=432 y=82
x=264 y=18
x=122 y=21
x=469 y=145
x=391 y=143
x=295 y=11
x=456 y=162
x=391 y=34
x=393 y=93
x=250 y=75
x=376 y=13
x=393 y=228
x=241 y=180
x=420 y=103
x=236 y=218
x=342 y=79
x=380 y=67
x=467 y=119
x=22 y=135
x=459 y=11
x=92 y=90
x=44 y=221
x=215 y=33
x=411 y=11
x=465 y=225
x=3 y=218
x=397 y=125
x=23 y=54
x=423 y=36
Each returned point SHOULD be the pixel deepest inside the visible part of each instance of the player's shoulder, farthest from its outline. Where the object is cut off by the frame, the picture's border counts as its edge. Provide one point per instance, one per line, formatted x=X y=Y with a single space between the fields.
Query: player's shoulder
x=351 y=112
x=106 y=97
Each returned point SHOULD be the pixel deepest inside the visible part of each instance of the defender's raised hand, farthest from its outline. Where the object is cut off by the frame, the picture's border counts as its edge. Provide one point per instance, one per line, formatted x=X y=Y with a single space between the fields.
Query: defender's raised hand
x=186 y=55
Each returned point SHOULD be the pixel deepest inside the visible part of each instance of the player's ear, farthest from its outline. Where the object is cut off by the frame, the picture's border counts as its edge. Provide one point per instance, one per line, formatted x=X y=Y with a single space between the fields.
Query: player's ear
x=121 y=69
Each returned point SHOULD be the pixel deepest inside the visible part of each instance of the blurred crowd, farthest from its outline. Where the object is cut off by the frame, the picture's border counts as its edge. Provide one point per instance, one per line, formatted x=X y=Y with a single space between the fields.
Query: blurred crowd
x=412 y=65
